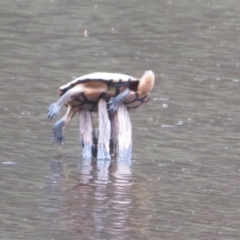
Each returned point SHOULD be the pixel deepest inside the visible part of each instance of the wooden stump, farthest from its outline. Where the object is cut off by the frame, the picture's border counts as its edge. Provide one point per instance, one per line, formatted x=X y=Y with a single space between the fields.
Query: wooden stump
x=86 y=134
x=121 y=135
x=103 y=151
x=99 y=144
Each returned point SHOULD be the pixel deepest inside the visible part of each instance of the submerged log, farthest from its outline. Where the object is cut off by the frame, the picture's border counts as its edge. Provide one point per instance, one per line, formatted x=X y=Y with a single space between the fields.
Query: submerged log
x=121 y=135
x=86 y=134
x=103 y=151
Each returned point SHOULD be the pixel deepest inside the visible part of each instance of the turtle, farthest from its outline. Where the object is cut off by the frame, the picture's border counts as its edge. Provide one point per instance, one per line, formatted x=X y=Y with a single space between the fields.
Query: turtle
x=85 y=92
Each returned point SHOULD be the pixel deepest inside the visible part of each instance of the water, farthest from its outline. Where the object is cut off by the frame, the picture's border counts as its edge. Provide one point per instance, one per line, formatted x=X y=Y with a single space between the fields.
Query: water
x=184 y=178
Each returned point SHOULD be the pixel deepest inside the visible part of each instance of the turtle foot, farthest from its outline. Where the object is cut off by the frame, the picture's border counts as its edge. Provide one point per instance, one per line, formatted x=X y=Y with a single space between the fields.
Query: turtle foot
x=53 y=111
x=57 y=133
x=113 y=105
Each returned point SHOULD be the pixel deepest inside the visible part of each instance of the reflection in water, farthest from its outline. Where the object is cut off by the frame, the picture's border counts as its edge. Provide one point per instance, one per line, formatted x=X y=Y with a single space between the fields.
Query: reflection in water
x=103 y=192
x=100 y=205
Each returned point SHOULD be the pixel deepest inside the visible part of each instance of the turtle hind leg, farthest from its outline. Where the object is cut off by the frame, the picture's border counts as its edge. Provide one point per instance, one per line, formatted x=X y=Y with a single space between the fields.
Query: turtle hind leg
x=61 y=125
x=57 y=132
x=114 y=102
x=53 y=110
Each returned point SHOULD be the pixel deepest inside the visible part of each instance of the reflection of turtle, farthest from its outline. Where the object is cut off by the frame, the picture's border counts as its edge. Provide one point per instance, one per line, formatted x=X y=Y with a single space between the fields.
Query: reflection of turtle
x=85 y=92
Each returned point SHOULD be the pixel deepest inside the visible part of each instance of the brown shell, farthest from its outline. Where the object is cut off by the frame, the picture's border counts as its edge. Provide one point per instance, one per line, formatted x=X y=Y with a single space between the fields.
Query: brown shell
x=108 y=78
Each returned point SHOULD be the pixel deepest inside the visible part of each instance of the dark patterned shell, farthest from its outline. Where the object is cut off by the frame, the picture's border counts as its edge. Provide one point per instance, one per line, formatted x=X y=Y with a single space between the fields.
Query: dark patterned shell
x=109 y=78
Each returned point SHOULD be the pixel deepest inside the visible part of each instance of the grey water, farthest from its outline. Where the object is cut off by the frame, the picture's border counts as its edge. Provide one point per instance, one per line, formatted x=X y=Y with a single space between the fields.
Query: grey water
x=184 y=179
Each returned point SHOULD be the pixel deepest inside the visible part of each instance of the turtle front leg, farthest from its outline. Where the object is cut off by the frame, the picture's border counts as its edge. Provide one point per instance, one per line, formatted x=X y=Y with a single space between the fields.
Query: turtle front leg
x=114 y=102
x=61 y=125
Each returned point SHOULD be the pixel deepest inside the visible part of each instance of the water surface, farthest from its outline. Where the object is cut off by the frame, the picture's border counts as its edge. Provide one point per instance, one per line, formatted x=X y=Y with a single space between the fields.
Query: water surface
x=184 y=179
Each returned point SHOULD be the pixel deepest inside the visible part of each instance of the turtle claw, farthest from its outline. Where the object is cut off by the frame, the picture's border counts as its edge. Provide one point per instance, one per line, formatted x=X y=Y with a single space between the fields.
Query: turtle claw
x=53 y=111
x=113 y=105
x=58 y=134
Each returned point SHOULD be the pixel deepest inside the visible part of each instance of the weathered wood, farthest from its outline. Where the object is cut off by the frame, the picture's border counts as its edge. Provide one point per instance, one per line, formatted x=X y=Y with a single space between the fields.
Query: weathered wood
x=121 y=135
x=86 y=134
x=103 y=151
x=112 y=137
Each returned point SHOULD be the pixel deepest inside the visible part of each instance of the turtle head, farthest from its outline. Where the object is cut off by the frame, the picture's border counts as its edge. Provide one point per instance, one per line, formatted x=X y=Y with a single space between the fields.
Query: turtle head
x=146 y=82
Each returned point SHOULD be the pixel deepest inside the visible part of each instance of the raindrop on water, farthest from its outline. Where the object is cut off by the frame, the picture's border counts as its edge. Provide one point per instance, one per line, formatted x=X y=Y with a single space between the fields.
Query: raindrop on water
x=8 y=163
x=162 y=165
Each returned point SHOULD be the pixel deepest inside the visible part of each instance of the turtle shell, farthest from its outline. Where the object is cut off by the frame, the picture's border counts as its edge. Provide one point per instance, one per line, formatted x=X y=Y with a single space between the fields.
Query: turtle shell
x=108 y=78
